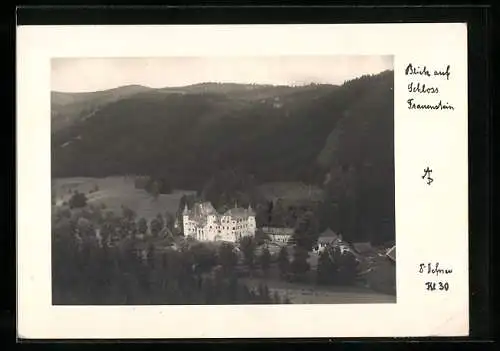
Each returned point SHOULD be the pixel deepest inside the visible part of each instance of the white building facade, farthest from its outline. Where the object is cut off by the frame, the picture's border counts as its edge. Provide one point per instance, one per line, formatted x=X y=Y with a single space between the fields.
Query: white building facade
x=278 y=235
x=204 y=223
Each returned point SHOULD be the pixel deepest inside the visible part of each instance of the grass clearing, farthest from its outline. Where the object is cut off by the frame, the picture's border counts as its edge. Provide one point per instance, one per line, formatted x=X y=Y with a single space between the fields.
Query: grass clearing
x=114 y=192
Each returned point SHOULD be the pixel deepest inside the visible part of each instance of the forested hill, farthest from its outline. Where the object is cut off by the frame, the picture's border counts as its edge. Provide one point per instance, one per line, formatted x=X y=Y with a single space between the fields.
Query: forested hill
x=276 y=133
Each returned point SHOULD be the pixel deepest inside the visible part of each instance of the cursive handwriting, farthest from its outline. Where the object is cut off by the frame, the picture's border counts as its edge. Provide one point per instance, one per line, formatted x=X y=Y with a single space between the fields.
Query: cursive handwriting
x=424 y=71
x=434 y=269
x=412 y=70
x=439 y=106
x=422 y=89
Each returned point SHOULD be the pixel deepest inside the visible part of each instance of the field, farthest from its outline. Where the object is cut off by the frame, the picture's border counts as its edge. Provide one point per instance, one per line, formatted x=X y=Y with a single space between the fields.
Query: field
x=311 y=293
x=115 y=192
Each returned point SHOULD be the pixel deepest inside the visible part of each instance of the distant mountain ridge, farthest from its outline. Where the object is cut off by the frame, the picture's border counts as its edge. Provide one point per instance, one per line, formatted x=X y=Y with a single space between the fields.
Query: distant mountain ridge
x=68 y=108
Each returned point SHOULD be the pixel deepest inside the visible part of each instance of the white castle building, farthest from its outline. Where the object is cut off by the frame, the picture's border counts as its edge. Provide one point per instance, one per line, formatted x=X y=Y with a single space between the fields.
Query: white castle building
x=204 y=223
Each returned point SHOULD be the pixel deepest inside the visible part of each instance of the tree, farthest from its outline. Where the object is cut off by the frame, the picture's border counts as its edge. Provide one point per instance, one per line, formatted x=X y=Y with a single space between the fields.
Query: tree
x=154 y=189
x=204 y=258
x=263 y=294
x=326 y=270
x=128 y=213
x=347 y=268
x=299 y=265
x=283 y=261
x=328 y=216
x=306 y=231
x=265 y=260
x=86 y=230
x=260 y=236
x=161 y=222
x=78 y=200
x=155 y=227
x=169 y=221
x=276 y=298
x=248 y=246
x=142 y=225
x=227 y=257
x=278 y=214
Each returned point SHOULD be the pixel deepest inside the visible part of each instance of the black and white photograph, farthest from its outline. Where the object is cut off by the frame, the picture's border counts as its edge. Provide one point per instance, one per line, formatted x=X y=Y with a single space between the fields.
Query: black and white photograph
x=233 y=181
x=222 y=180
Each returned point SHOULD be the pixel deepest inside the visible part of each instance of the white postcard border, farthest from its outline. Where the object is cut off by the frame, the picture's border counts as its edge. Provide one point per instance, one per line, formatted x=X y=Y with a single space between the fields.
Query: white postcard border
x=431 y=221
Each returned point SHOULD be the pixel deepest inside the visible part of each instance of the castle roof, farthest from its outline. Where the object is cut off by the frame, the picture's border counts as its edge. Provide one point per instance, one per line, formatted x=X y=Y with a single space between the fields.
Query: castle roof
x=201 y=210
x=204 y=208
x=250 y=211
x=328 y=233
x=236 y=212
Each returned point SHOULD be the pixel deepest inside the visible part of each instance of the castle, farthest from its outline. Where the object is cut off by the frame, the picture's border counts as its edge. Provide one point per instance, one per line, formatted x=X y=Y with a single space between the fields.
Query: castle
x=204 y=223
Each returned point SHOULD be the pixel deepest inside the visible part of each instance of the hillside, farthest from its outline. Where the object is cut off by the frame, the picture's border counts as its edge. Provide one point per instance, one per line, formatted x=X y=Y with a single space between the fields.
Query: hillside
x=70 y=108
x=277 y=133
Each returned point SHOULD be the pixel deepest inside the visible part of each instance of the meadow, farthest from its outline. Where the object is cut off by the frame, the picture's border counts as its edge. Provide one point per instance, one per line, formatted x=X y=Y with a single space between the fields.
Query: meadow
x=114 y=192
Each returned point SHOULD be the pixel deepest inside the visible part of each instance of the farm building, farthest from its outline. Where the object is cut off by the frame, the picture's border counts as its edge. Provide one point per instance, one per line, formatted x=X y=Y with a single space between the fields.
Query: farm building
x=391 y=253
x=279 y=235
x=328 y=237
x=363 y=248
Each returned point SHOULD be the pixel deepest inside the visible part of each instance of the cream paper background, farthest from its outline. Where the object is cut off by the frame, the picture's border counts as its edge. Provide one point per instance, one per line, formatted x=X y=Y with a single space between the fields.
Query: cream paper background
x=431 y=221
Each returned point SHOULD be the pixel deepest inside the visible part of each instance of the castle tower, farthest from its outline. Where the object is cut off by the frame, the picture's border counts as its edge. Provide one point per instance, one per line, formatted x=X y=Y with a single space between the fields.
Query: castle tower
x=251 y=225
x=185 y=221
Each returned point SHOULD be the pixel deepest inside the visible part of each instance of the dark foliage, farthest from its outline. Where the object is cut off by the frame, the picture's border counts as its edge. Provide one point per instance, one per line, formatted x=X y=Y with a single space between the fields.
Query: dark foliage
x=247 y=247
x=359 y=156
x=265 y=260
x=86 y=272
x=230 y=187
x=299 y=265
x=306 y=231
x=336 y=268
x=227 y=257
x=283 y=261
x=78 y=200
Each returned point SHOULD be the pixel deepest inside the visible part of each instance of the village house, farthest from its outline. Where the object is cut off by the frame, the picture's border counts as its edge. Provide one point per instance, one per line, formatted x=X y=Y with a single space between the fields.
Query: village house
x=204 y=223
x=363 y=248
x=280 y=236
x=391 y=253
x=326 y=238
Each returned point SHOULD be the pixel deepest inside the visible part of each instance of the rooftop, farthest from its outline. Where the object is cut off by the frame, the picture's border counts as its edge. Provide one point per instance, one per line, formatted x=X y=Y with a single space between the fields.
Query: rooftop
x=363 y=247
x=328 y=233
x=391 y=253
x=201 y=210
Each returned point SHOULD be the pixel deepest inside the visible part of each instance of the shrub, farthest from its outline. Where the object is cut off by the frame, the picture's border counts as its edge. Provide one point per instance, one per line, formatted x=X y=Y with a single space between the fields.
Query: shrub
x=78 y=200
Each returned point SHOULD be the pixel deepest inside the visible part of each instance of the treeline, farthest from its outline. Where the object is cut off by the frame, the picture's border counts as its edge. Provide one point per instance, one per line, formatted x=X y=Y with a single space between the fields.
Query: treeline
x=109 y=268
x=154 y=185
x=358 y=157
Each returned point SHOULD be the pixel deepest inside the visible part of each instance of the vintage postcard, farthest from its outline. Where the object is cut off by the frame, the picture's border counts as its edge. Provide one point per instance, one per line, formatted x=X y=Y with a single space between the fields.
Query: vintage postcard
x=242 y=181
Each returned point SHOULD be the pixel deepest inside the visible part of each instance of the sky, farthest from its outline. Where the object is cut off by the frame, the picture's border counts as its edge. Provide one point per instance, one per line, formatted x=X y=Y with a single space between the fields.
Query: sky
x=94 y=74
